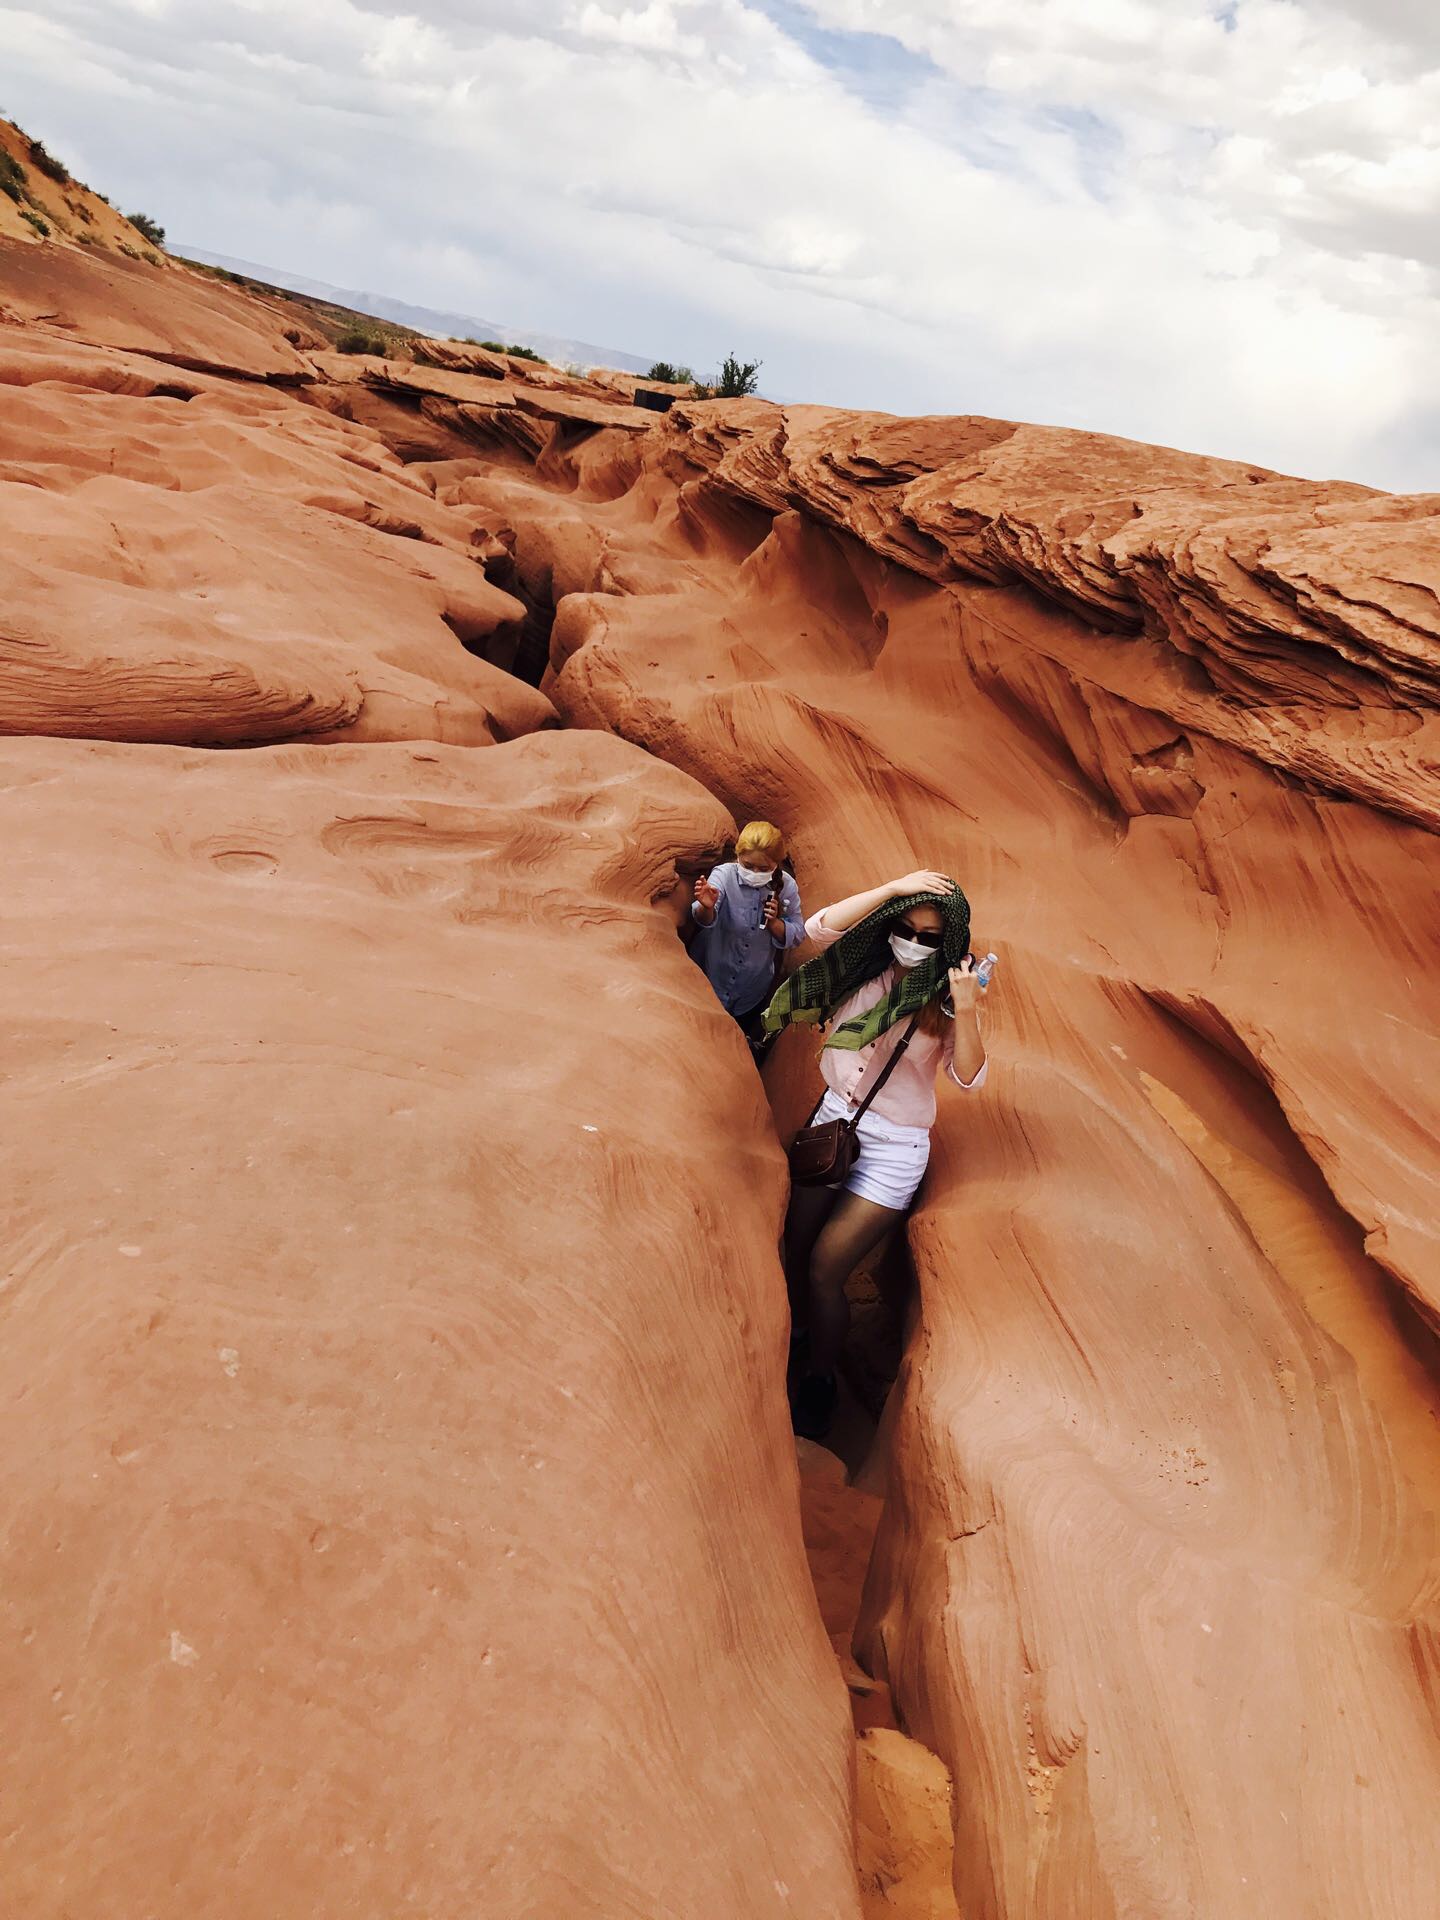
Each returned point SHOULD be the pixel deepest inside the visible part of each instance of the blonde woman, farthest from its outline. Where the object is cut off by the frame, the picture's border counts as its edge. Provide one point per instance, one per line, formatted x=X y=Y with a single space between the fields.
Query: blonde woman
x=747 y=914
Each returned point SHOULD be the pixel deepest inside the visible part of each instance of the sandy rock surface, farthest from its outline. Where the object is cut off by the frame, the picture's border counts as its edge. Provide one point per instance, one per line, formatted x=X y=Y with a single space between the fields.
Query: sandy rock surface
x=194 y=562
x=904 y=1838
x=168 y=312
x=385 y=1390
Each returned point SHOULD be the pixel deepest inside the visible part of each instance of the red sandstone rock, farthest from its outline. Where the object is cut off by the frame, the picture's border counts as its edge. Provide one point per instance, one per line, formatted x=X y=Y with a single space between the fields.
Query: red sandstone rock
x=389 y=1372
x=1297 y=622
x=535 y=410
x=462 y=357
x=1168 y=1426
x=171 y=314
x=230 y=568
x=903 y=1830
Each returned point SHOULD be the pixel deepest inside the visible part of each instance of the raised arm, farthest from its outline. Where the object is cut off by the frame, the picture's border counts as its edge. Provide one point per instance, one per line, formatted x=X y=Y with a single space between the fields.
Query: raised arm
x=787 y=926
x=709 y=899
x=845 y=913
x=964 y=1050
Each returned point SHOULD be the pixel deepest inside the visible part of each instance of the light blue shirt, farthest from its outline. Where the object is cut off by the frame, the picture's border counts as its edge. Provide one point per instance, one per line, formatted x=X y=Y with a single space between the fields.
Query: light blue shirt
x=737 y=953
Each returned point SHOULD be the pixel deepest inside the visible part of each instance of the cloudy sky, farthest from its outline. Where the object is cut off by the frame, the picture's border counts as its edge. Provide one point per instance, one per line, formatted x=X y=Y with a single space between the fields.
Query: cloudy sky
x=1205 y=222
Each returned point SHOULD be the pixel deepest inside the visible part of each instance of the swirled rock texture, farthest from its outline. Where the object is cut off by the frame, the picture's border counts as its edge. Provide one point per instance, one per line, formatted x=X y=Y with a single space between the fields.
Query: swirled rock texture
x=193 y=561
x=1295 y=621
x=389 y=1375
x=1157 y=1574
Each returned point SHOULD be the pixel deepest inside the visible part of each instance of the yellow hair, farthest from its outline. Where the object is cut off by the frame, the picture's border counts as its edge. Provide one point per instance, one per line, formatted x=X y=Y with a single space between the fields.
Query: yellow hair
x=761 y=837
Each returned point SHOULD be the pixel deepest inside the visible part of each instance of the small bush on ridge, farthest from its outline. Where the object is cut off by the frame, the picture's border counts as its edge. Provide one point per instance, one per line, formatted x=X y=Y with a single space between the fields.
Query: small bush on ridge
x=499 y=346
x=672 y=376
x=150 y=229
x=737 y=378
x=47 y=163
x=353 y=340
x=36 y=222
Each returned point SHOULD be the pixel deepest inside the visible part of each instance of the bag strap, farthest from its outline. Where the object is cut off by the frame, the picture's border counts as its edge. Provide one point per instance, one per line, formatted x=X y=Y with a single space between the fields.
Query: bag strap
x=886 y=1071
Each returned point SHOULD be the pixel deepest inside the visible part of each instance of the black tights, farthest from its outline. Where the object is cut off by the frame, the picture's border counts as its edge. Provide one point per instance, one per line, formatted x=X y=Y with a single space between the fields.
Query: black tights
x=752 y=1026
x=827 y=1235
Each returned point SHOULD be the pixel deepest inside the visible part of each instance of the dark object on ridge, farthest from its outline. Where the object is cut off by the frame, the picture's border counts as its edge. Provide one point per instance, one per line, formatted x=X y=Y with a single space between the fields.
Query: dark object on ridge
x=653 y=402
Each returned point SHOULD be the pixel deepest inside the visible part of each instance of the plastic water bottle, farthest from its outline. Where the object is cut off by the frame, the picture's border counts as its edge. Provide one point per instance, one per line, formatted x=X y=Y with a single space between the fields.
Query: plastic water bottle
x=986 y=967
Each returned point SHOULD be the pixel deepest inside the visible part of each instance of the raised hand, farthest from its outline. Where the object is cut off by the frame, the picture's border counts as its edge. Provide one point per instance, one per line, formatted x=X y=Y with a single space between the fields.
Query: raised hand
x=707 y=899
x=921 y=881
x=964 y=985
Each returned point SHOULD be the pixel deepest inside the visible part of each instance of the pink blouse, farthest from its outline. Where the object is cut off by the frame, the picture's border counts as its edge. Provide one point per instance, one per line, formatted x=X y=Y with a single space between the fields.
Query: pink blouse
x=908 y=1096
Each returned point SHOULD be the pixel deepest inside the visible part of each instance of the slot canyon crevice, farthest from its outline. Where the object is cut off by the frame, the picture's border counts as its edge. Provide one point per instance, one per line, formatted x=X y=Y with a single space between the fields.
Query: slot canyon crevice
x=402 y=1514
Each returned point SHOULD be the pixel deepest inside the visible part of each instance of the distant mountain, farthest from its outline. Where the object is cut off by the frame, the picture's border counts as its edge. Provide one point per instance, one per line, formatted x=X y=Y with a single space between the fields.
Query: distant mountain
x=559 y=351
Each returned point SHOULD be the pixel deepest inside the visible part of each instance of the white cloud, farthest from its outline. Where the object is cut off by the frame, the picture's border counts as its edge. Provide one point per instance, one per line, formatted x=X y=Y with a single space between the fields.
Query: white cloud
x=1203 y=225
x=656 y=27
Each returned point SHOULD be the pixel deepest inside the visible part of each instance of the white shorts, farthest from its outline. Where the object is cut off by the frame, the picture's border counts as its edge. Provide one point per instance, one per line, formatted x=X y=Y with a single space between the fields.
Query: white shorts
x=892 y=1159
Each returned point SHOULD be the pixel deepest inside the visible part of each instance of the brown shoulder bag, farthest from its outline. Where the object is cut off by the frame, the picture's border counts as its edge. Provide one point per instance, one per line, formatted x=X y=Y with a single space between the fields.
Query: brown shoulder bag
x=823 y=1156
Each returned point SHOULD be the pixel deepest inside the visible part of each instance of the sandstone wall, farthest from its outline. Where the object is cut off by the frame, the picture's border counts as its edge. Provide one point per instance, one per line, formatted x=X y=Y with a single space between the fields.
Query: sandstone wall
x=1157 y=1573
x=401 y=1514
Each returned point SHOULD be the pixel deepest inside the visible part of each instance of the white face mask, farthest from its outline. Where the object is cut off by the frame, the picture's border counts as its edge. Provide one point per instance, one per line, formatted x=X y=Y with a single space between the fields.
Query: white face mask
x=749 y=879
x=909 y=952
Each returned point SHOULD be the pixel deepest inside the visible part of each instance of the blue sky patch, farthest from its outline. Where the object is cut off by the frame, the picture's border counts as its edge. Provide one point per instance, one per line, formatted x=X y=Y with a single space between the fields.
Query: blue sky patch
x=878 y=68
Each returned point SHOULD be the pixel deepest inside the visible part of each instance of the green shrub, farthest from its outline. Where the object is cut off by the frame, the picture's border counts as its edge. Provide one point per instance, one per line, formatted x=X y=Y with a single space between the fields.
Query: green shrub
x=672 y=376
x=131 y=253
x=36 y=222
x=147 y=228
x=12 y=177
x=737 y=378
x=47 y=163
x=354 y=340
x=499 y=346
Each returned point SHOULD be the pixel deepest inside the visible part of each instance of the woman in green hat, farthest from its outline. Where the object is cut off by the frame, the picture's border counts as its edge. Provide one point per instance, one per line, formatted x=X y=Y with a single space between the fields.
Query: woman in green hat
x=894 y=960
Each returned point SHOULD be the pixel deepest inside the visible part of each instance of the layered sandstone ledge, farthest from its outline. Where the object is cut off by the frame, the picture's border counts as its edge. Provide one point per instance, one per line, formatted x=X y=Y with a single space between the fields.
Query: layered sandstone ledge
x=1156 y=1574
